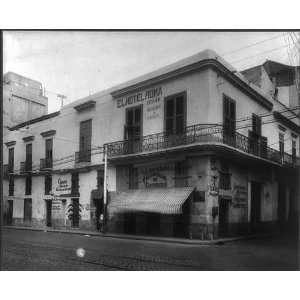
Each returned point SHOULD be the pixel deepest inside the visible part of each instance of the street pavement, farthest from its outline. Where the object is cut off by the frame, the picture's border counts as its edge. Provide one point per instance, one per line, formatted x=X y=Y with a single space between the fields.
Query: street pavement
x=38 y=250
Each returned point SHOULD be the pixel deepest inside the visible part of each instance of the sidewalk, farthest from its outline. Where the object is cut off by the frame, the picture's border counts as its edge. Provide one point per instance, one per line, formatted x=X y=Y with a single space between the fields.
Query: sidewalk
x=147 y=238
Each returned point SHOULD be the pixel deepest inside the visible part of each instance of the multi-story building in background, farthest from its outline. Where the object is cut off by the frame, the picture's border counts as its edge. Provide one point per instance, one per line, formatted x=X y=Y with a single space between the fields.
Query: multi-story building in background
x=193 y=149
x=23 y=100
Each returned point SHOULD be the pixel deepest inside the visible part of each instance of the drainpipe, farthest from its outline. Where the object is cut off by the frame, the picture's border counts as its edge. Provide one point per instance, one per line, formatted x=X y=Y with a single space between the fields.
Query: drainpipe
x=104 y=190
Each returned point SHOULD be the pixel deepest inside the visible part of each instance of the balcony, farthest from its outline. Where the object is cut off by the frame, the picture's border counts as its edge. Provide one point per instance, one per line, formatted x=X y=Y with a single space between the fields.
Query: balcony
x=46 y=163
x=82 y=156
x=198 y=134
x=25 y=166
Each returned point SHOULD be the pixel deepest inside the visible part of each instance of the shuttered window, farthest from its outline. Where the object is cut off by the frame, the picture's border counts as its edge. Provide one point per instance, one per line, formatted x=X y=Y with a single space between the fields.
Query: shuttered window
x=256 y=124
x=229 y=115
x=11 y=159
x=11 y=186
x=133 y=126
x=281 y=143
x=85 y=141
x=175 y=114
x=49 y=152
x=28 y=157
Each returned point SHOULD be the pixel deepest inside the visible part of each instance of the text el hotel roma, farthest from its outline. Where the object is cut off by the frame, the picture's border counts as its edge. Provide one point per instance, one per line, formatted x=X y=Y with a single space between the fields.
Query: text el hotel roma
x=139 y=97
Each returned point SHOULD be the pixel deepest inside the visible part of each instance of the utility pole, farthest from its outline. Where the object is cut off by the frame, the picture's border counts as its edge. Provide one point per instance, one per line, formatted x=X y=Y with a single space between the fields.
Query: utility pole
x=62 y=97
x=105 y=190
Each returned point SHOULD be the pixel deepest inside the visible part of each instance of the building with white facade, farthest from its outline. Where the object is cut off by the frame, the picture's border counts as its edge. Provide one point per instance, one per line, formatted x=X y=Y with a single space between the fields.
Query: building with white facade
x=193 y=150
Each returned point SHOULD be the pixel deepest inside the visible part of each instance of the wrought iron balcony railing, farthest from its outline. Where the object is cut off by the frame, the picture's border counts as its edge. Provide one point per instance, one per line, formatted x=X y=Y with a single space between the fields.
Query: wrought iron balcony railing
x=200 y=133
x=25 y=166
x=83 y=156
x=46 y=163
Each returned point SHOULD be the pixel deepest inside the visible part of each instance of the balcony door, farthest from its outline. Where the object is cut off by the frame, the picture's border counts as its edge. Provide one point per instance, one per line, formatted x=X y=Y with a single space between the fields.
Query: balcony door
x=49 y=152
x=229 y=120
x=85 y=141
x=10 y=160
x=133 y=127
x=175 y=114
x=28 y=157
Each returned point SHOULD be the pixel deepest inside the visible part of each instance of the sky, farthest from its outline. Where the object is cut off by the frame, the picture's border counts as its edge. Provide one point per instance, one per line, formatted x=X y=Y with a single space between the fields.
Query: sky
x=77 y=64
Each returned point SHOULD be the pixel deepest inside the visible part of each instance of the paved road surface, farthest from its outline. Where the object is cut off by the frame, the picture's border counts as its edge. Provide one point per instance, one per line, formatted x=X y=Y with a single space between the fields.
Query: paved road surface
x=37 y=250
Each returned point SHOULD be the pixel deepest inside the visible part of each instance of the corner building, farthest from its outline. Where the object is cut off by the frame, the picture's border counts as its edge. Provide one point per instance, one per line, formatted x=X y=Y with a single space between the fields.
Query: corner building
x=194 y=150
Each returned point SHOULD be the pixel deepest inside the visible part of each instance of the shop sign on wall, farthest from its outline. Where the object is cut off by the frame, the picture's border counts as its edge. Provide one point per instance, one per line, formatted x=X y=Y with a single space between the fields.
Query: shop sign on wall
x=63 y=186
x=151 y=96
x=56 y=204
x=240 y=196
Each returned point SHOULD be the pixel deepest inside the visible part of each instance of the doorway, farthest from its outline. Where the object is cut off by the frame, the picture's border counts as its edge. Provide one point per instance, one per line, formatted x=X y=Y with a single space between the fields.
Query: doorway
x=223 y=217
x=75 y=212
x=10 y=208
x=255 y=205
x=48 y=213
x=133 y=128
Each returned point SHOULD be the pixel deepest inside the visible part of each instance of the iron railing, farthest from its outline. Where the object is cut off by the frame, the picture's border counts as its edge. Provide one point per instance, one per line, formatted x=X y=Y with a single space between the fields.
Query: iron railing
x=200 y=133
x=46 y=163
x=25 y=166
x=83 y=156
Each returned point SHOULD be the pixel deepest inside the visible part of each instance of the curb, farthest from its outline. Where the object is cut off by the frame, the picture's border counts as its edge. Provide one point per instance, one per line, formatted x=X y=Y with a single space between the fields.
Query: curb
x=149 y=238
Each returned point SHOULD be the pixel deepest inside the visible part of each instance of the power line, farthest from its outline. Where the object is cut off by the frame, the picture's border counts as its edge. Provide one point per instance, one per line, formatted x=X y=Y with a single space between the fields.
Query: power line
x=251 y=45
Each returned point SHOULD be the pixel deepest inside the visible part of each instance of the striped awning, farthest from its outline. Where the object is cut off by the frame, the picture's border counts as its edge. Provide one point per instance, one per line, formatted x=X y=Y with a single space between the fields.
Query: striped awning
x=156 y=200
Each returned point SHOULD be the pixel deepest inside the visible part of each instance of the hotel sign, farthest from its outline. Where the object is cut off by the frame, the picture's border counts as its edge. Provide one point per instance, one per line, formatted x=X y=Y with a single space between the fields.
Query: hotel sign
x=151 y=96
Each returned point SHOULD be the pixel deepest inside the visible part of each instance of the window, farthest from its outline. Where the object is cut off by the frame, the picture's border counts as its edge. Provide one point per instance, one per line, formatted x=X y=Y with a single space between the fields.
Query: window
x=85 y=141
x=28 y=184
x=281 y=143
x=11 y=186
x=229 y=115
x=48 y=184
x=28 y=157
x=133 y=126
x=294 y=151
x=175 y=114
x=75 y=184
x=27 y=209
x=256 y=124
x=49 y=152
x=11 y=160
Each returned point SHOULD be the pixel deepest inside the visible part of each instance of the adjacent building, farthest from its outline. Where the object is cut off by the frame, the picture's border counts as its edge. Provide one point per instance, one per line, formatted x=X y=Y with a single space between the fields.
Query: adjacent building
x=193 y=150
x=23 y=99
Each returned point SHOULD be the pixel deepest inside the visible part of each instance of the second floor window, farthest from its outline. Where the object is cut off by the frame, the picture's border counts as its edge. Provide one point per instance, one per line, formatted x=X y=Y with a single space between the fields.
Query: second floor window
x=28 y=156
x=48 y=184
x=256 y=124
x=229 y=115
x=11 y=160
x=175 y=114
x=281 y=143
x=294 y=151
x=28 y=184
x=133 y=126
x=11 y=186
x=49 y=152
x=85 y=141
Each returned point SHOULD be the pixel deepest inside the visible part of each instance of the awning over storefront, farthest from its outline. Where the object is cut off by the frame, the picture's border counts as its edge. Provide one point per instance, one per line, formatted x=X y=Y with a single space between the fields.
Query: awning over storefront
x=160 y=200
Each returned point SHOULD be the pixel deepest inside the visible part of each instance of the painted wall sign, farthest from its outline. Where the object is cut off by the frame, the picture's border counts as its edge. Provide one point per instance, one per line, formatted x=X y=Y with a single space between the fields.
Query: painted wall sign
x=56 y=204
x=156 y=180
x=151 y=96
x=63 y=186
x=240 y=198
x=150 y=170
